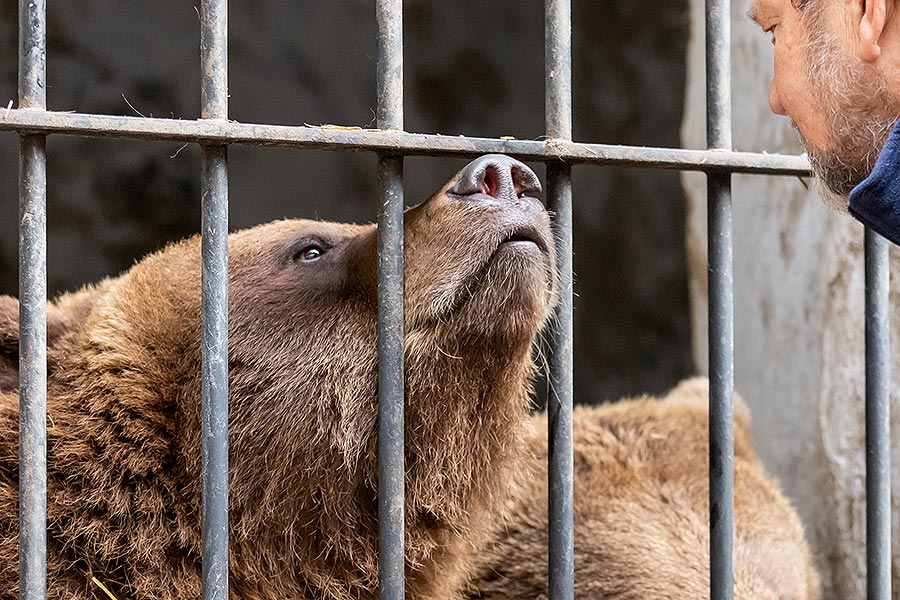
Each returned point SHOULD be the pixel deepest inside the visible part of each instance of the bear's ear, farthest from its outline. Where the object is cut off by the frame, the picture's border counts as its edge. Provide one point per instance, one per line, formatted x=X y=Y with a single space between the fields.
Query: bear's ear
x=9 y=325
x=62 y=316
x=9 y=343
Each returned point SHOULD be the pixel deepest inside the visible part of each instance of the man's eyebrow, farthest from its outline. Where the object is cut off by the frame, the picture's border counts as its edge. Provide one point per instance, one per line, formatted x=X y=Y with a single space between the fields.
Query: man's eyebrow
x=753 y=14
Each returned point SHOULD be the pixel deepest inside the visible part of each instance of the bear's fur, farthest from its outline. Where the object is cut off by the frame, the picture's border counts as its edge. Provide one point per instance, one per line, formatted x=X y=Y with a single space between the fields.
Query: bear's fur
x=124 y=404
x=642 y=511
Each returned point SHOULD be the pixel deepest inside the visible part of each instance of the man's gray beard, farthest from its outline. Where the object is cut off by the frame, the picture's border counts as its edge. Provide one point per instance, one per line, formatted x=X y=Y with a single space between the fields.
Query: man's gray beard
x=840 y=170
x=862 y=113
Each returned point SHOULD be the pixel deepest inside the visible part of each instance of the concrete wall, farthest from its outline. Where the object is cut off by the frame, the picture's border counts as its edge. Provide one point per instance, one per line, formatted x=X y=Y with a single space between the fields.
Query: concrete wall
x=799 y=310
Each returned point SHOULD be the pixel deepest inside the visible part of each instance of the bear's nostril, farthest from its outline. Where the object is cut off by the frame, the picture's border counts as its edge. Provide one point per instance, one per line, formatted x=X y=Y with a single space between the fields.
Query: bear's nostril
x=490 y=185
x=525 y=183
x=497 y=176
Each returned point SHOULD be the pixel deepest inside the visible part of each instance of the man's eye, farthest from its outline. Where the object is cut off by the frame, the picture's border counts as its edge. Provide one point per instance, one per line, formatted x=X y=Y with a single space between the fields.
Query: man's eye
x=771 y=32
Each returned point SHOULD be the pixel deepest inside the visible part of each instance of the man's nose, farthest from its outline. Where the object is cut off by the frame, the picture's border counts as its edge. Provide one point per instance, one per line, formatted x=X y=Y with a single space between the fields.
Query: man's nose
x=775 y=100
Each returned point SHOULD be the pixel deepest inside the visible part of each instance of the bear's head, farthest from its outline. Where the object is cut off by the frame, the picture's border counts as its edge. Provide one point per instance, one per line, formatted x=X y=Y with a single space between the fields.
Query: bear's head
x=125 y=385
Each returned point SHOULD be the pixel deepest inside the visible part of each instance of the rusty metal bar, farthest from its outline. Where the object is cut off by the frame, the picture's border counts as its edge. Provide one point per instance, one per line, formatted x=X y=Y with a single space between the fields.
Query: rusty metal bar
x=32 y=307
x=558 y=115
x=400 y=143
x=214 y=283
x=878 y=417
x=721 y=305
x=391 y=464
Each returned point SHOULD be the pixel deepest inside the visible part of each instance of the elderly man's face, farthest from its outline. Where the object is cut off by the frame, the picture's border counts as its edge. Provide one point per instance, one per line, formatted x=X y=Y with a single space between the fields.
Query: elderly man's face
x=840 y=104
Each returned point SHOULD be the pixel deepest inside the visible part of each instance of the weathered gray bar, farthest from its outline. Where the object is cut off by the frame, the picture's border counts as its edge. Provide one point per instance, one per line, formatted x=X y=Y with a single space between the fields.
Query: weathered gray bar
x=721 y=304
x=400 y=143
x=721 y=387
x=391 y=469
x=558 y=115
x=214 y=283
x=560 y=400
x=878 y=417
x=32 y=369
x=32 y=307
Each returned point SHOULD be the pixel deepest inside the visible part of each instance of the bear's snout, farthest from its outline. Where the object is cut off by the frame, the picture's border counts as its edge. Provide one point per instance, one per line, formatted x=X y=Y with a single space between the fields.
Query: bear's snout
x=495 y=177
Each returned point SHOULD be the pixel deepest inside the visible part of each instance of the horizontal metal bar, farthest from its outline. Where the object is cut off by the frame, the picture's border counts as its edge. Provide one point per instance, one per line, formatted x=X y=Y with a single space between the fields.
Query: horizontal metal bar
x=400 y=143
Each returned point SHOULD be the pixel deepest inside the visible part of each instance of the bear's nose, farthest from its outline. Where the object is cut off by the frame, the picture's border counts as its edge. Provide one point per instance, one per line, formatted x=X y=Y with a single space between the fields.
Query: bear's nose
x=497 y=176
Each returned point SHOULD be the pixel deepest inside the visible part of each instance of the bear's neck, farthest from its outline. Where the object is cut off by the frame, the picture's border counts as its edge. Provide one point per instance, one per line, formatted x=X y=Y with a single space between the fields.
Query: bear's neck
x=465 y=408
x=465 y=412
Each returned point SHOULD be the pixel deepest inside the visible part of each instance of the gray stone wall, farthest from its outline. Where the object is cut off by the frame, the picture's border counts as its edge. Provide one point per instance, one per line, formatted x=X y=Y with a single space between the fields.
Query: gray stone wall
x=472 y=68
x=799 y=317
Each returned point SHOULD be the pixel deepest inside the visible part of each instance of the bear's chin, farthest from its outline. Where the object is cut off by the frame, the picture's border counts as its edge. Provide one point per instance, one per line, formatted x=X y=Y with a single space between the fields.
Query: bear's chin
x=512 y=294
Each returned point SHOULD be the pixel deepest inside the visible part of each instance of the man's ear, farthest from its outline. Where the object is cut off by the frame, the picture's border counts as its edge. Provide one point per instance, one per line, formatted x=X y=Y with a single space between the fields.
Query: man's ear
x=871 y=27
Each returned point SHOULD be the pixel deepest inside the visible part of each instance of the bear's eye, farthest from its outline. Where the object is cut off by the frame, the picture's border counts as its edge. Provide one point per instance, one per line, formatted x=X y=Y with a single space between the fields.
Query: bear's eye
x=310 y=253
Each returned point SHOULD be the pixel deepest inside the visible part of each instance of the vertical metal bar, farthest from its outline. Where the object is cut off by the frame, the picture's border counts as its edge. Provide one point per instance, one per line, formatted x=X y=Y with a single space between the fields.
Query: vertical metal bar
x=32 y=308
x=214 y=283
x=721 y=383
x=878 y=427
x=721 y=305
x=391 y=467
x=32 y=54
x=558 y=68
x=558 y=113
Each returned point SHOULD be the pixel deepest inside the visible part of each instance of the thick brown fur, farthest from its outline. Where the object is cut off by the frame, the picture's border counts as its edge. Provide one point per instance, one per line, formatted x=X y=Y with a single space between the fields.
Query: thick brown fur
x=641 y=511
x=124 y=408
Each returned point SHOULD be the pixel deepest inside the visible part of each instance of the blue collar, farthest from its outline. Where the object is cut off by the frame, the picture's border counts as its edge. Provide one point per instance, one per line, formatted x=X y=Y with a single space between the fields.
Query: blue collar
x=876 y=201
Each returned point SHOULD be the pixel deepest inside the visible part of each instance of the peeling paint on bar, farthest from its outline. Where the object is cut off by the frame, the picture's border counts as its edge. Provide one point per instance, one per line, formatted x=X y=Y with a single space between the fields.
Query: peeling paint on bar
x=401 y=143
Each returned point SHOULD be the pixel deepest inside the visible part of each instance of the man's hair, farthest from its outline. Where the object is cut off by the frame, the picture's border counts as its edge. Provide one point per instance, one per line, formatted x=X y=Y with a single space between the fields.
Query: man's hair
x=808 y=6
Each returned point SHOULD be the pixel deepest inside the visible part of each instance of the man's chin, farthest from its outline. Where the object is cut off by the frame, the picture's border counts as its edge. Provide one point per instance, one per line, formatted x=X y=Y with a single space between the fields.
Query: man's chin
x=831 y=181
x=832 y=199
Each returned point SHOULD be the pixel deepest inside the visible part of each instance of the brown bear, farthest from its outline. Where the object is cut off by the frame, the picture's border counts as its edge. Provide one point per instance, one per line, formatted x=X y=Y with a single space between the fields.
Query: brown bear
x=642 y=511
x=124 y=403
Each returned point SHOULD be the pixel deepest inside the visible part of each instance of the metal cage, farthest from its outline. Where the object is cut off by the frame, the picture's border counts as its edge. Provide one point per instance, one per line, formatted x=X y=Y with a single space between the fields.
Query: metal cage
x=213 y=132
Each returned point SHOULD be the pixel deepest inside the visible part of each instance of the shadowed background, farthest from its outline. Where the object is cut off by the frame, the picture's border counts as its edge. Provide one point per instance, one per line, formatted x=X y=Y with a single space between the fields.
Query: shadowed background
x=468 y=70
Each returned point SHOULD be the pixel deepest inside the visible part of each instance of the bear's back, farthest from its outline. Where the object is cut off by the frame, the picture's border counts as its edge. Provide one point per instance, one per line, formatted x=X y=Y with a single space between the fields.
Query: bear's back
x=641 y=511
